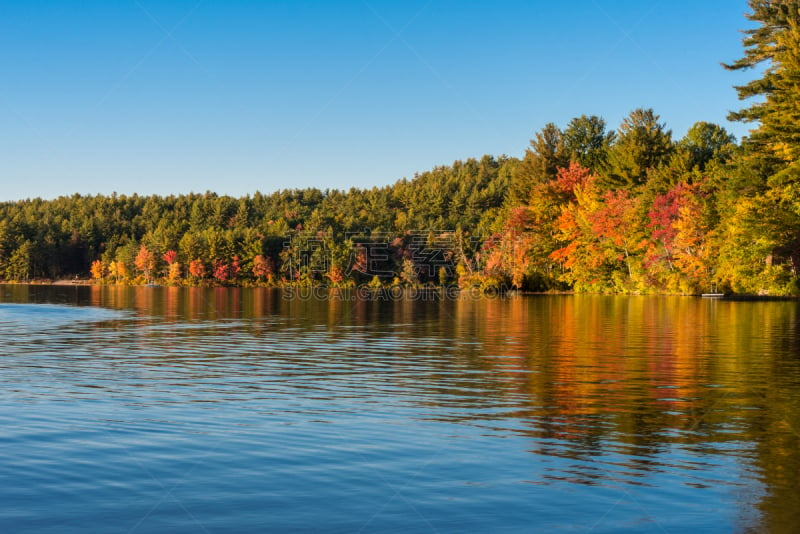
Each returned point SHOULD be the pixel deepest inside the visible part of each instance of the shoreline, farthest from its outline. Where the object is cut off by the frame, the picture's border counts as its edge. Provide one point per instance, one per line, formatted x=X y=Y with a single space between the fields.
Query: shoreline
x=81 y=282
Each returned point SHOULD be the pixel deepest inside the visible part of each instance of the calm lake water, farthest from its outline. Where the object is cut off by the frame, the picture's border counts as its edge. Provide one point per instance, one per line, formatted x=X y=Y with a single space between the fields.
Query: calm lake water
x=236 y=410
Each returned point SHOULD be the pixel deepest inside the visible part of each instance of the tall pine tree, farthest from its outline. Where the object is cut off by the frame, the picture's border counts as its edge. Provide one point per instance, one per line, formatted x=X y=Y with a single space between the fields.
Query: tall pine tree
x=774 y=44
x=772 y=152
x=642 y=144
x=587 y=142
x=542 y=160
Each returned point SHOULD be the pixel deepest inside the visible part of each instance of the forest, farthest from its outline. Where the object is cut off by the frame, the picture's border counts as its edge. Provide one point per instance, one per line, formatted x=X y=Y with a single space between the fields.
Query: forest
x=587 y=209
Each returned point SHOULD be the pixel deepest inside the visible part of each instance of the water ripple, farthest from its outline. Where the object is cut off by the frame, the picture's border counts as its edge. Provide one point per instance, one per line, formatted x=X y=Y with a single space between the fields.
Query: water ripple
x=142 y=420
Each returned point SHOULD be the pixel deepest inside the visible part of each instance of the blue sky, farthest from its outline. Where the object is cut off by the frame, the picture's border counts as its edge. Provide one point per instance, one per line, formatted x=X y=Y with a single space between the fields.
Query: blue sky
x=236 y=96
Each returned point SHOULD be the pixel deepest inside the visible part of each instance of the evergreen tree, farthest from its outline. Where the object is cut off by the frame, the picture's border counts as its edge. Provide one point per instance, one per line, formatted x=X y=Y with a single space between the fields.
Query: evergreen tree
x=704 y=142
x=587 y=142
x=642 y=144
x=18 y=267
x=775 y=43
x=769 y=170
x=542 y=160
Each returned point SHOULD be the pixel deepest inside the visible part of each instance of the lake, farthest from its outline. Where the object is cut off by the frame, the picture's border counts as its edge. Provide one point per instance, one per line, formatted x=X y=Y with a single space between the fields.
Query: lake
x=138 y=409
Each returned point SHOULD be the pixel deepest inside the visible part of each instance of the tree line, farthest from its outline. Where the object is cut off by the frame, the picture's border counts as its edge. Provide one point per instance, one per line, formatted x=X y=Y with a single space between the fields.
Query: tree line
x=586 y=208
x=209 y=238
x=632 y=211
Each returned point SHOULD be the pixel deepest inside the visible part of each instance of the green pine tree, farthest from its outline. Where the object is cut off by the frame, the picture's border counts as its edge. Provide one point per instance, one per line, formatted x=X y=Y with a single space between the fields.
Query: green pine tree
x=542 y=160
x=775 y=45
x=587 y=142
x=768 y=171
x=642 y=144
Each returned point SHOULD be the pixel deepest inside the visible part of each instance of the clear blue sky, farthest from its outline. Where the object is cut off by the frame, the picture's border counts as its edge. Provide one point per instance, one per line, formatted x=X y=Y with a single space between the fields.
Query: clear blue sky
x=235 y=96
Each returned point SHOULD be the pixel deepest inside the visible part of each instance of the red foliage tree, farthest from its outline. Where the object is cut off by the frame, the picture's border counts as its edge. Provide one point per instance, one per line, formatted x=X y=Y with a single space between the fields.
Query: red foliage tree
x=568 y=178
x=235 y=268
x=663 y=215
x=221 y=271
x=359 y=261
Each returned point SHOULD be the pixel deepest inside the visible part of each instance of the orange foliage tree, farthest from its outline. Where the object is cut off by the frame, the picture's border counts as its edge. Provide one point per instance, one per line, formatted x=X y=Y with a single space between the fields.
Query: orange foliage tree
x=98 y=269
x=197 y=269
x=602 y=237
x=117 y=270
x=522 y=254
x=262 y=268
x=145 y=261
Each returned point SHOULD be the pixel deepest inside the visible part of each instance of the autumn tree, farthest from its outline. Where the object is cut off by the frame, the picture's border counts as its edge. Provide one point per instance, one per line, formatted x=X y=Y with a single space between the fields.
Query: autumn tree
x=235 y=267
x=682 y=250
x=117 y=270
x=197 y=269
x=521 y=253
x=616 y=224
x=358 y=260
x=408 y=273
x=263 y=268
x=174 y=271
x=145 y=261
x=221 y=271
x=97 y=269
x=662 y=216
x=581 y=257
x=694 y=248
x=602 y=238
x=509 y=255
x=190 y=246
